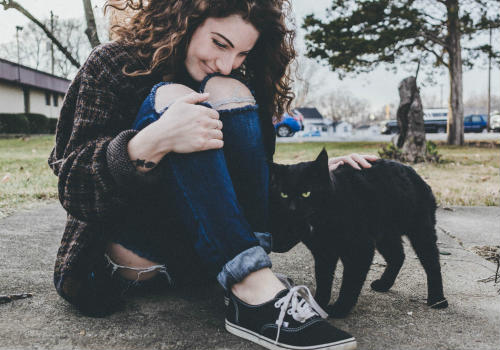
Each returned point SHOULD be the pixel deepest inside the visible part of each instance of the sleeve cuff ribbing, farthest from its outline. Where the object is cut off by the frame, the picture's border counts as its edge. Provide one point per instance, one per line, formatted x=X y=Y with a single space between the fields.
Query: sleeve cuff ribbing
x=121 y=167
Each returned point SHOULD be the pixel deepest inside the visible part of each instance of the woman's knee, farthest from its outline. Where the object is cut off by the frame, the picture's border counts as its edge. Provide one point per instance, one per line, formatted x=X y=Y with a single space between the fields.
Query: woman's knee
x=168 y=94
x=227 y=93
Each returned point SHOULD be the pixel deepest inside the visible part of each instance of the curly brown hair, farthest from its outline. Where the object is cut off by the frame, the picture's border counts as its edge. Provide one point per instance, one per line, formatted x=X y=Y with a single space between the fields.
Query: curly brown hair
x=160 y=30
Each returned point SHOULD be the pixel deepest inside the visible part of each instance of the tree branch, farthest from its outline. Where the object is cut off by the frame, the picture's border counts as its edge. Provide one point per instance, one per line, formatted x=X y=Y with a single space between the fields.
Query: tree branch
x=438 y=56
x=434 y=39
x=11 y=4
x=91 y=30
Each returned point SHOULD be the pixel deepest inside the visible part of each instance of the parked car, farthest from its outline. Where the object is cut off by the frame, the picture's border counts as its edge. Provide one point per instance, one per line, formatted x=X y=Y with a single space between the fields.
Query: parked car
x=289 y=124
x=472 y=123
x=495 y=122
x=430 y=125
x=475 y=123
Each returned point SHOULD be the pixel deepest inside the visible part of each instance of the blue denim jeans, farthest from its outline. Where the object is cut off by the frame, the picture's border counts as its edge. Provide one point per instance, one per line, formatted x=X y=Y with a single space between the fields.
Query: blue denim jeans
x=220 y=196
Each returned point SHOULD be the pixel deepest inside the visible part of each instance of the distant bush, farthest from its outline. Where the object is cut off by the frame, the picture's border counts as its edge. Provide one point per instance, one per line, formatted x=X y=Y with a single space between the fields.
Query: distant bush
x=38 y=123
x=26 y=123
x=14 y=123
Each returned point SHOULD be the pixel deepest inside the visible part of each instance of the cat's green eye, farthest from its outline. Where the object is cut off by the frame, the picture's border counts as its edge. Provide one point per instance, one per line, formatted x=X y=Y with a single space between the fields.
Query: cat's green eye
x=284 y=195
x=306 y=194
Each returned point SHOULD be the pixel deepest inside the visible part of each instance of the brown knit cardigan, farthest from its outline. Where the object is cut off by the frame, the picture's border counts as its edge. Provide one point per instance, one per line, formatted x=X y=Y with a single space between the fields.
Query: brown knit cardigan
x=97 y=182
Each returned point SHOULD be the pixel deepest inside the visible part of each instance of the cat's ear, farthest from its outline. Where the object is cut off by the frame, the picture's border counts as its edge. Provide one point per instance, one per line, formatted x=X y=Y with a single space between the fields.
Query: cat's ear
x=322 y=157
x=321 y=167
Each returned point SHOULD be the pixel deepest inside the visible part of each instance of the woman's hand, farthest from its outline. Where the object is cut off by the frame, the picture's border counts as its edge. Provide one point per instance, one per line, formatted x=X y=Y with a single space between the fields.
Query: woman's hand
x=187 y=127
x=184 y=128
x=354 y=160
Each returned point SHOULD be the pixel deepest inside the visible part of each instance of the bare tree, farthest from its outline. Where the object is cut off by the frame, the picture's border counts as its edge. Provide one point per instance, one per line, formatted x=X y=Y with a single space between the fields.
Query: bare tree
x=479 y=104
x=35 y=46
x=307 y=82
x=341 y=104
x=11 y=4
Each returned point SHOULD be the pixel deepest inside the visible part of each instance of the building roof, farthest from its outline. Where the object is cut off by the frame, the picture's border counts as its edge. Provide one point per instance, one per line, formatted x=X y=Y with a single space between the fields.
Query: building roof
x=310 y=113
x=10 y=71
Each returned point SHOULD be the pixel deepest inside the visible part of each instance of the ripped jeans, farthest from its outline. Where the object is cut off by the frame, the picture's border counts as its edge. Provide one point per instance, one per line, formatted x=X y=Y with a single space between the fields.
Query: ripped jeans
x=218 y=198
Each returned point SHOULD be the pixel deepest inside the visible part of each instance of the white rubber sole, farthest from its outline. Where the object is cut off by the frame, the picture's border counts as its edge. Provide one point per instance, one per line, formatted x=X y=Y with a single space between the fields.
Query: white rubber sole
x=346 y=344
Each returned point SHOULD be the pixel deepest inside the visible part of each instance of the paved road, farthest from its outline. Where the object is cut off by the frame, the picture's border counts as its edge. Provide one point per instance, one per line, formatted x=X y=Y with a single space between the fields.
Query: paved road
x=193 y=319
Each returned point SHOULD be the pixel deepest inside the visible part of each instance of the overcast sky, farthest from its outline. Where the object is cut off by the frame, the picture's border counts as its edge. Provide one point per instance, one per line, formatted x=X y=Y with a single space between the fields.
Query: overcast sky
x=378 y=87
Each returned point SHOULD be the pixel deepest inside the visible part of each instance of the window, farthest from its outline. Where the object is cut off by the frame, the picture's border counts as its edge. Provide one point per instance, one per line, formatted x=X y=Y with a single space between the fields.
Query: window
x=476 y=119
x=47 y=98
x=55 y=96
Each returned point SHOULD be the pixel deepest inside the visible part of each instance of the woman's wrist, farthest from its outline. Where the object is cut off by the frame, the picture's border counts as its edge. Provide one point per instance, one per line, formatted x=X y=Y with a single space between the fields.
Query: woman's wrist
x=146 y=149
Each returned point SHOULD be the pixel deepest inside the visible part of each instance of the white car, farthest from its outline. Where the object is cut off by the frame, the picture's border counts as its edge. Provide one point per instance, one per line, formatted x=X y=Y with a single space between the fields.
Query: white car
x=495 y=122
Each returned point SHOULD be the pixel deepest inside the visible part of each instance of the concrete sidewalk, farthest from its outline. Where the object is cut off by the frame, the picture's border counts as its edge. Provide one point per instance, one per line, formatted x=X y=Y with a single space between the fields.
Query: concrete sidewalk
x=193 y=319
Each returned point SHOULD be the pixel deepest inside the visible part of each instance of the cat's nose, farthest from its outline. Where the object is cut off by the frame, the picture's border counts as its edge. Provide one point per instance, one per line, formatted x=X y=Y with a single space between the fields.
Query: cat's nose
x=292 y=206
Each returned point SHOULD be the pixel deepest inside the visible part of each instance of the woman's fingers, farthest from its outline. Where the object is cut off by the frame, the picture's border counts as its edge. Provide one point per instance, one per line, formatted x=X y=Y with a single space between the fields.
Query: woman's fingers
x=352 y=163
x=355 y=160
x=213 y=144
x=334 y=166
x=193 y=98
x=215 y=134
x=361 y=161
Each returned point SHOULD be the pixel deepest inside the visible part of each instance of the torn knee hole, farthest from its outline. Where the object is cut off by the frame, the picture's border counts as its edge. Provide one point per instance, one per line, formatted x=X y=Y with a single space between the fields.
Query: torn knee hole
x=168 y=94
x=228 y=93
x=232 y=102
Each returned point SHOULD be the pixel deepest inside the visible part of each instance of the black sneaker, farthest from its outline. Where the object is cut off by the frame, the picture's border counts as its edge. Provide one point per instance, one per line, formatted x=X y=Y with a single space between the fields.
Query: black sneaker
x=292 y=320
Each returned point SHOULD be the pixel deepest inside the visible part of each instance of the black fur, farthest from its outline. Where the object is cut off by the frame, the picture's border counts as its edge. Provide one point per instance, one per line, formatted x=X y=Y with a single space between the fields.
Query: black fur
x=348 y=213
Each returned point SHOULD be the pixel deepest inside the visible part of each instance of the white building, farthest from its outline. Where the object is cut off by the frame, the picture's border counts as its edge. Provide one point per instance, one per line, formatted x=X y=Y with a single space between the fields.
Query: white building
x=314 y=123
x=27 y=90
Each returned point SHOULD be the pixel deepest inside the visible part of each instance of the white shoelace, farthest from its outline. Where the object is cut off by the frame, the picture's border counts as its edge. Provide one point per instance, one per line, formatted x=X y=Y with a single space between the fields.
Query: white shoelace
x=300 y=310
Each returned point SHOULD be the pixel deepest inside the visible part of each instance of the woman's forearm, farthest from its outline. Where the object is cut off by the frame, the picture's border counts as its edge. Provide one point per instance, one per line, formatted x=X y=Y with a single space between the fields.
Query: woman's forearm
x=145 y=151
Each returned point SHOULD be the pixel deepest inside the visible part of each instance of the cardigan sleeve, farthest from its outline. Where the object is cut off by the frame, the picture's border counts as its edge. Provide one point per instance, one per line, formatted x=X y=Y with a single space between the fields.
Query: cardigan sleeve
x=95 y=174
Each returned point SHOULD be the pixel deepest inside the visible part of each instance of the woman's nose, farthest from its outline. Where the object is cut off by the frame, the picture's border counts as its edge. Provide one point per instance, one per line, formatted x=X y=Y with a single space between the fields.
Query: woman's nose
x=225 y=64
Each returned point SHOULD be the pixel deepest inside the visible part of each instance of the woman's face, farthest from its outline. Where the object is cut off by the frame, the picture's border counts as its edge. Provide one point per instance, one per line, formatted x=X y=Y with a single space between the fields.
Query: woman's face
x=219 y=45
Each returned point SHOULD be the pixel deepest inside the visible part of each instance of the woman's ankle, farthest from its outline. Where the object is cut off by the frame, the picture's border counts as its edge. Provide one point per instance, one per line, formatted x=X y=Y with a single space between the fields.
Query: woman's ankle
x=258 y=287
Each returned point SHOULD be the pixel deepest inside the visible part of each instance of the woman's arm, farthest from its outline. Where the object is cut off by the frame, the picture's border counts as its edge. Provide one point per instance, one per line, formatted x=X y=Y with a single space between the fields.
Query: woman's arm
x=96 y=175
x=184 y=128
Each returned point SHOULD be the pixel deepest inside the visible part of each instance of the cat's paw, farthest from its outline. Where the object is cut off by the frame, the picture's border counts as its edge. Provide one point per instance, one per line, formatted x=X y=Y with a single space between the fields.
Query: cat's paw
x=380 y=286
x=440 y=304
x=337 y=311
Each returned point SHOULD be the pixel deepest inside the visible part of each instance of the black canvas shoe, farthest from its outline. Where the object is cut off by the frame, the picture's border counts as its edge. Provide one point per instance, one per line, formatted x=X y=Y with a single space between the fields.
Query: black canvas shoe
x=292 y=320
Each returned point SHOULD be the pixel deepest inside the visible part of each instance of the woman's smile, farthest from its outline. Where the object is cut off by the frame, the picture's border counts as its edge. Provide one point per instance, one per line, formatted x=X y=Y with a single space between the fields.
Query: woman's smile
x=219 y=45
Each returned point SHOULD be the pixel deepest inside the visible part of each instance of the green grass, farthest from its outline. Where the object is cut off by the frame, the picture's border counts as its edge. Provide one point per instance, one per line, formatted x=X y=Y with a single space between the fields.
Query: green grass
x=25 y=177
x=470 y=175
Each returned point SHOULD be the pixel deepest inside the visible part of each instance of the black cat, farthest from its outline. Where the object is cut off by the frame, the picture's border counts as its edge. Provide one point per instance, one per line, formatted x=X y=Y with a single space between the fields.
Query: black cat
x=348 y=213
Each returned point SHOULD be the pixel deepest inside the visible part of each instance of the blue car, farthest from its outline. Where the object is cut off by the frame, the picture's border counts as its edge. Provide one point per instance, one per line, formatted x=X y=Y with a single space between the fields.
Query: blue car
x=289 y=124
x=475 y=123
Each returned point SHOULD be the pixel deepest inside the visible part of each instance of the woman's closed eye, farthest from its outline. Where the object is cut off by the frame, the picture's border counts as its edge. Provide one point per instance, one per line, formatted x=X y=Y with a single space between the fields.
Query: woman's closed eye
x=219 y=44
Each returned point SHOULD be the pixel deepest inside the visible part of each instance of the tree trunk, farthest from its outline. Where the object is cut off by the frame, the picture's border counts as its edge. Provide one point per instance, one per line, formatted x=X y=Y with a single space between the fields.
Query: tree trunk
x=456 y=107
x=410 y=116
x=91 y=30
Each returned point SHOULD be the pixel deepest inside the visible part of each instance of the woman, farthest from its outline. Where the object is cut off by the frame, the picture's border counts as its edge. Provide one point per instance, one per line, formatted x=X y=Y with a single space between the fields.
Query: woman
x=182 y=196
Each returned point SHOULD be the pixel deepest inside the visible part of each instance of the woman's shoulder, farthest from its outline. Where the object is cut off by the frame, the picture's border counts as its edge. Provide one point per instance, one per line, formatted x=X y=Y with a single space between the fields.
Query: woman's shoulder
x=110 y=58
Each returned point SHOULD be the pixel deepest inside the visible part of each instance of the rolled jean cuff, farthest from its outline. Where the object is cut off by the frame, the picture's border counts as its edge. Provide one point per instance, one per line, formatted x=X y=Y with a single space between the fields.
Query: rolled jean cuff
x=265 y=240
x=248 y=261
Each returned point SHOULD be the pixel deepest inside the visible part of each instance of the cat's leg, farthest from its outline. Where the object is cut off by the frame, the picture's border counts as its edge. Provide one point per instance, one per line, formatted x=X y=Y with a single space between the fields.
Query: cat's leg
x=423 y=240
x=324 y=269
x=356 y=261
x=392 y=250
